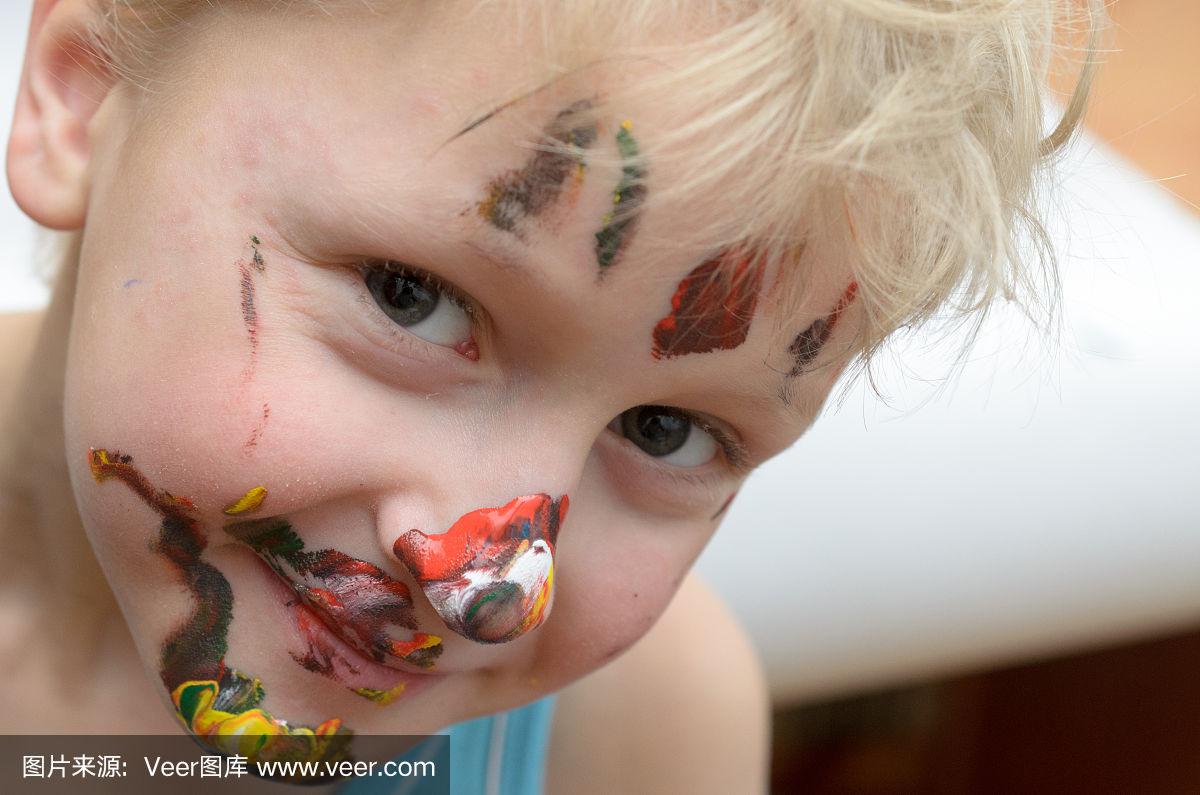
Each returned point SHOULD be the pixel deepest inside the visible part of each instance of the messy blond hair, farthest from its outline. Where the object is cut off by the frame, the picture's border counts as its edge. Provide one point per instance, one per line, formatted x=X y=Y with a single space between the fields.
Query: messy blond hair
x=911 y=130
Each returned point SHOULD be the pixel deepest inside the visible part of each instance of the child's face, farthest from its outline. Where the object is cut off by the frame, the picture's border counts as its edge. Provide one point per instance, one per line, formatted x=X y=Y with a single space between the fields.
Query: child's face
x=563 y=402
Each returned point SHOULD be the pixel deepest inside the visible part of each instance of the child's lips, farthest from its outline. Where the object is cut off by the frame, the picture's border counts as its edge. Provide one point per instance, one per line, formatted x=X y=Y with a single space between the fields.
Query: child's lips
x=343 y=635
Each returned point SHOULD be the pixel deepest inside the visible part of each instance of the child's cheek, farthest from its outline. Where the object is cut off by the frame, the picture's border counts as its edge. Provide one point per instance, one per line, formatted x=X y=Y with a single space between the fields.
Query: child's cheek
x=618 y=572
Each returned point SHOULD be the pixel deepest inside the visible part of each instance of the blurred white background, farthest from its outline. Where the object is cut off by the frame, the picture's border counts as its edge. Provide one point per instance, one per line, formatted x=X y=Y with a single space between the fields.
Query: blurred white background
x=19 y=288
x=1046 y=501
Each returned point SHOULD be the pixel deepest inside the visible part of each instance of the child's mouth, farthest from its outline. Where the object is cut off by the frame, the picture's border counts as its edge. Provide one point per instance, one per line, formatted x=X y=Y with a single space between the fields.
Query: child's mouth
x=329 y=647
x=357 y=601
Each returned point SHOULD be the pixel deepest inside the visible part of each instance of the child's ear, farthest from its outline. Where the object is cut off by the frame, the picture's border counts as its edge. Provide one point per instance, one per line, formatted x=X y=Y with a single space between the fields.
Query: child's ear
x=63 y=83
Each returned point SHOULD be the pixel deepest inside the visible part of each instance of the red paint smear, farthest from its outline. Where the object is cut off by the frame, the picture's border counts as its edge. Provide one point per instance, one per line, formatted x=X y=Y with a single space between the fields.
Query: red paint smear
x=712 y=308
x=482 y=539
x=257 y=432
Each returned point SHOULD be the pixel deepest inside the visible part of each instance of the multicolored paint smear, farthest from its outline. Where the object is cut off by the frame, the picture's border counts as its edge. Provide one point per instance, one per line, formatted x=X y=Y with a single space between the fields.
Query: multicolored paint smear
x=215 y=703
x=712 y=307
x=491 y=575
x=808 y=343
x=360 y=603
x=531 y=190
x=619 y=223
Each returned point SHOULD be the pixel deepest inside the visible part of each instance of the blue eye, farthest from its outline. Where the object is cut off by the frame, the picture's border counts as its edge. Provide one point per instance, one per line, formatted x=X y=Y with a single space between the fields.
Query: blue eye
x=422 y=306
x=670 y=435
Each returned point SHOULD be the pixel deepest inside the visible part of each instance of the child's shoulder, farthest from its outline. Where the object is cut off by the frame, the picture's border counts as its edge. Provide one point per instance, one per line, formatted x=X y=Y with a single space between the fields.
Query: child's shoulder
x=684 y=710
x=18 y=333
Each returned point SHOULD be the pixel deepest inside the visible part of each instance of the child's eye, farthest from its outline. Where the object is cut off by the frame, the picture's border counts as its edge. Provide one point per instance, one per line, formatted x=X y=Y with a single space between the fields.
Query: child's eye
x=422 y=305
x=668 y=434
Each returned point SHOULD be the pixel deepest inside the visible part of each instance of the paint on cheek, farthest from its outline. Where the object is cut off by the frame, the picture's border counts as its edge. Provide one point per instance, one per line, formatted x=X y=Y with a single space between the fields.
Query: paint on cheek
x=808 y=343
x=620 y=223
x=249 y=313
x=249 y=309
x=217 y=704
x=360 y=603
x=256 y=433
x=531 y=190
x=712 y=308
x=249 y=502
x=491 y=575
x=380 y=697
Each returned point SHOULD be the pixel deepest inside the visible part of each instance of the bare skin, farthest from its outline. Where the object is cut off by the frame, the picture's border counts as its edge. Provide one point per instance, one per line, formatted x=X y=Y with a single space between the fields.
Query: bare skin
x=202 y=292
x=611 y=732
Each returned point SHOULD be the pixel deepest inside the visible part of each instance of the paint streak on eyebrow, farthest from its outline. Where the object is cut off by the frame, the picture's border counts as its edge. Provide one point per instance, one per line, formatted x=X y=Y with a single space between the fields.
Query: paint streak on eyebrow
x=808 y=343
x=530 y=190
x=620 y=222
x=712 y=308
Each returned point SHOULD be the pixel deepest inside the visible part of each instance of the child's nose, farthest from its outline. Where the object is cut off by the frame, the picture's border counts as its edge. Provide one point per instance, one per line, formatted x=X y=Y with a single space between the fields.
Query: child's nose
x=490 y=576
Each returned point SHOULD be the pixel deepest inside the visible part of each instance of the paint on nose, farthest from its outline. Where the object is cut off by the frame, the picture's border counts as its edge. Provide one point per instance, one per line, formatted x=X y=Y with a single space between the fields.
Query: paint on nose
x=491 y=575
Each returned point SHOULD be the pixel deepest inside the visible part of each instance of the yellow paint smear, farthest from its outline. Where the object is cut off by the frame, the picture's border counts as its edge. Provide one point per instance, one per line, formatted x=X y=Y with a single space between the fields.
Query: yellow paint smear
x=249 y=502
x=380 y=697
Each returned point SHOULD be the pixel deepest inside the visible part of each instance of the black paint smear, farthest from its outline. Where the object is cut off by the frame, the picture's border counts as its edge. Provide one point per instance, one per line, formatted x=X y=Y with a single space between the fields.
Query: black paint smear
x=196 y=650
x=249 y=313
x=808 y=343
x=532 y=189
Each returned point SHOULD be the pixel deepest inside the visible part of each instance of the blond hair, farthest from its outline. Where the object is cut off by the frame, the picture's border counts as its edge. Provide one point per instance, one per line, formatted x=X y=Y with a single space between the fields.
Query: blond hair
x=912 y=130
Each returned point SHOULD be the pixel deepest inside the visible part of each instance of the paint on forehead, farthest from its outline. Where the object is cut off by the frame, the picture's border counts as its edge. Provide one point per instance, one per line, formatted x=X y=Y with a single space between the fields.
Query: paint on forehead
x=531 y=190
x=357 y=600
x=620 y=222
x=215 y=703
x=807 y=345
x=712 y=307
x=491 y=575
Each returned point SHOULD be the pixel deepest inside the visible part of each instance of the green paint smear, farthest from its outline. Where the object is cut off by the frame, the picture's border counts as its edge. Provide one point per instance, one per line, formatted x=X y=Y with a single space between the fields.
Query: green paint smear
x=628 y=195
x=272 y=537
x=505 y=592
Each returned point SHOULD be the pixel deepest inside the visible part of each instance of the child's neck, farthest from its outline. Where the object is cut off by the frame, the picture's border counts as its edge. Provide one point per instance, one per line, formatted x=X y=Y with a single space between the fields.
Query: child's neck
x=43 y=549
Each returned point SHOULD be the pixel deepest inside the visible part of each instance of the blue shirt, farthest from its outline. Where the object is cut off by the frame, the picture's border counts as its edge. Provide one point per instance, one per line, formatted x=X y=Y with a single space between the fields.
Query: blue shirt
x=502 y=754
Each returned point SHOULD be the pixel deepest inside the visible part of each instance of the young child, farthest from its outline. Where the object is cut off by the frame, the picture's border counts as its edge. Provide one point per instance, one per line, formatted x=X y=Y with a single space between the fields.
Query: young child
x=406 y=354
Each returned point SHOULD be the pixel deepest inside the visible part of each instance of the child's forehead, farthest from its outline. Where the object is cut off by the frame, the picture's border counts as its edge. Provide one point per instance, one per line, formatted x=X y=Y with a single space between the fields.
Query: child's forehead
x=560 y=183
